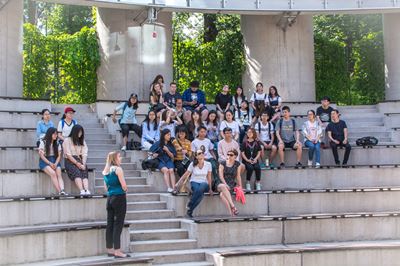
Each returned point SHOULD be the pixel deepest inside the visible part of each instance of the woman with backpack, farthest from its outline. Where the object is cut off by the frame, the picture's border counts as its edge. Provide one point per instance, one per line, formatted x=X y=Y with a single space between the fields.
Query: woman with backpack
x=258 y=101
x=274 y=103
x=66 y=123
x=128 y=121
x=50 y=157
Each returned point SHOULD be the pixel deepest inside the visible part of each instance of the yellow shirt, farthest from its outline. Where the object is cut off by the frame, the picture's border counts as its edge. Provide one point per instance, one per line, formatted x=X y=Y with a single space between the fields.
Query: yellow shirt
x=186 y=145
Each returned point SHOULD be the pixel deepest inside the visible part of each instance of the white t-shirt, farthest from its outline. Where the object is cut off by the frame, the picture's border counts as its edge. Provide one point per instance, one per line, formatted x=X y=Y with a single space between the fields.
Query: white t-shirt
x=42 y=147
x=257 y=96
x=263 y=130
x=66 y=130
x=199 y=175
x=232 y=125
x=197 y=144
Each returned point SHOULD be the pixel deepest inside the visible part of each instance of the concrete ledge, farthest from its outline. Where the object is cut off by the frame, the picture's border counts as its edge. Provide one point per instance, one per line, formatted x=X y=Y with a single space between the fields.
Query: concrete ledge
x=9 y=104
x=57 y=210
x=74 y=240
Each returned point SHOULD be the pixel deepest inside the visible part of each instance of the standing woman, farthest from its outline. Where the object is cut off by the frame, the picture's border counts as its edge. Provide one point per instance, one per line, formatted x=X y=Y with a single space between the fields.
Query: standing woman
x=66 y=123
x=50 y=157
x=251 y=152
x=150 y=131
x=128 y=120
x=312 y=132
x=43 y=125
x=200 y=180
x=116 y=188
x=229 y=178
x=165 y=151
x=275 y=102
x=238 y=98
x=76 y=152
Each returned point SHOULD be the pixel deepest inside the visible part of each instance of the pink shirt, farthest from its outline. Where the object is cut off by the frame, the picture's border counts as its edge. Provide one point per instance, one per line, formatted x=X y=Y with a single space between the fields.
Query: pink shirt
x=224 y=147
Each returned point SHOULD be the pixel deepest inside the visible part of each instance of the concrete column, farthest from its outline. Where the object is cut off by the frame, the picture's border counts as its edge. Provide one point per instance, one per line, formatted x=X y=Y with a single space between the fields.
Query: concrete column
x=391 y=35
x=281 y=58
x=11 y=48
x=131 y=56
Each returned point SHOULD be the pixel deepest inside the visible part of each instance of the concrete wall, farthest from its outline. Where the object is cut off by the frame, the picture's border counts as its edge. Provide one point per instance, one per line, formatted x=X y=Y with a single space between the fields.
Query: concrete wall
x=140 y=58
x=276 y=57
x=11 y=49
x=391 y=35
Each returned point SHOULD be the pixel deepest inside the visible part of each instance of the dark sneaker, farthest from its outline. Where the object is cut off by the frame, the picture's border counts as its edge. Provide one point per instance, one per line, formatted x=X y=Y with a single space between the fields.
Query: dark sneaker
x=282 y=165
x=298 y=165
x=189 y=213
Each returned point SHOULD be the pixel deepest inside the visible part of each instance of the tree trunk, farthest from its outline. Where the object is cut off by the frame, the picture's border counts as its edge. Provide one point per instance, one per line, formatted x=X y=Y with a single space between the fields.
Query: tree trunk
x=32 y=8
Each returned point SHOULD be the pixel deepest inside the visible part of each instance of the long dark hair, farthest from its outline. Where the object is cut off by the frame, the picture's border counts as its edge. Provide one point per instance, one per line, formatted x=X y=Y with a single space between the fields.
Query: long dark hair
x=74 y=135
x=154 y=93
x=136 y=104
x=215 y=122
x=164 y=132
x=164 y=116
x=191 y=124
x=236 y=96
x=48 y=141
x=147 y=120
x=159 y=76
x=233 y=115
x=247 y=109
x=276 y=92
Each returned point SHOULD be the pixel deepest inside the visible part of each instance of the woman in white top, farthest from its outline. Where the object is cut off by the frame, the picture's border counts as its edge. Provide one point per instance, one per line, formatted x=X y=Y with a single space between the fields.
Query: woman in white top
x=66 y=123
x=169 y=120
x=200 y=180
x=275 y=103
x=231 y=123
x=259 y=100
x=312 y=132
x=150 y=131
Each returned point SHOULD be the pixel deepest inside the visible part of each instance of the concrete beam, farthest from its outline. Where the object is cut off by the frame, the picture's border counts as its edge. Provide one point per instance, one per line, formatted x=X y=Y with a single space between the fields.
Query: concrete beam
x=392 y=55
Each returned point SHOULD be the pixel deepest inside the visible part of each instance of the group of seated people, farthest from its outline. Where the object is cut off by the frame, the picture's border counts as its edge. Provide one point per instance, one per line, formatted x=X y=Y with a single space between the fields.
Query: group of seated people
x=68 y=141
x=183 y=134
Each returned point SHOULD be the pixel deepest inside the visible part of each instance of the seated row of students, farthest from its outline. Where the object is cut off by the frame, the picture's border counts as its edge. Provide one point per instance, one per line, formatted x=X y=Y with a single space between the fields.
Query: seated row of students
x=67 y=141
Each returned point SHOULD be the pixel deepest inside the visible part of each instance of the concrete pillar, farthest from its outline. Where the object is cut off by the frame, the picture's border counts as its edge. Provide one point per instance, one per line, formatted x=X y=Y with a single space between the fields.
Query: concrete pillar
x=391 y=35
x=281 y=58
x=131 y=56
x=11 y=48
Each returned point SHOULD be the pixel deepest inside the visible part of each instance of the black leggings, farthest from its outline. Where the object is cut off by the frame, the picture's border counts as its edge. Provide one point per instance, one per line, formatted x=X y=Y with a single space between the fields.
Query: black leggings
x=125 y=128
x=249 y=170
x=116 y=210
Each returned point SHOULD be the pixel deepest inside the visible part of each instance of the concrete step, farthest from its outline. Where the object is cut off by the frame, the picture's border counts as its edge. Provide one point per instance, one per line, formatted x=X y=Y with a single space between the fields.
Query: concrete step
x=100 y=141
x=103 y=147
x=174 y=256
x=158 y=234
x=138 y=197
x=155 y=224
x=378 y=135
x=381 y=140
x=91 y=129
x=147 y=205
x=162 y=245
x=99 y=135
x=128 y=180
x=24 y=105
x=149 y=214
x=131 y=189
x=193 y=263
x=100 y=166
x=103 y=160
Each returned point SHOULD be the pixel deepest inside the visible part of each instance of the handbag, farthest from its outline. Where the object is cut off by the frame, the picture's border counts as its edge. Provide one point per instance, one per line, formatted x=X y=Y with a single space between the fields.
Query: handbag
x=150 y=164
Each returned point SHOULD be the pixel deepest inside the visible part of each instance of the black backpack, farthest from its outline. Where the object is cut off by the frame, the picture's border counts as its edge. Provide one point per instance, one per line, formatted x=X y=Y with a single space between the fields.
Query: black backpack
x=367 y=141
x=150 y=164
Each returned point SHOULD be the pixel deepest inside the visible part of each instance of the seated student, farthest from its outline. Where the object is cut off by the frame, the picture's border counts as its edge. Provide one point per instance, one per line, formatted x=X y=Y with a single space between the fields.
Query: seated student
x=159 y=79
x=212 y=127
x=171 y=96
x=128 y=120
x=229 y=178
x=204 y=144
x=156 y=99
x=312 y=132
x=324 y=117
x=200 y=180
x=243 y=116
x=337 y=135
x=288 y=136
x=195 y=99
x=275 y=103
x=231 y=123
x=43 y=125
x=66 y=123
x=223 y=102
x=180 y=111
x=251 y=152
x=258 y=101
x=50 y=157
x=76 y=152
x=183 y=150
x=150 y=131
x=169 y=120
x=194 y=125
x=165 y=152
x=265 y=135
x=227 y=144
x=238 y=98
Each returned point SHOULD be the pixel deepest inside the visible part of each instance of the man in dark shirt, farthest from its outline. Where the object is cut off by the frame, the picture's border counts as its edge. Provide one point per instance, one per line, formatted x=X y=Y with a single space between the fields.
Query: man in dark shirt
x=171 y=96
x=195 y=99
x=337 y=135
x=223 y=102
x=324 y=116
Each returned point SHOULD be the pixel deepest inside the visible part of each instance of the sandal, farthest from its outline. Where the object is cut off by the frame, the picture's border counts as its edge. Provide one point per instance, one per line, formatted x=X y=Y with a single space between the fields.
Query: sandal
x=234 y=211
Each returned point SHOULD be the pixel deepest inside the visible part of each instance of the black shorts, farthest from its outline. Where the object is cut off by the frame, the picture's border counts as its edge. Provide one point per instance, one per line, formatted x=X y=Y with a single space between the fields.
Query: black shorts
x=290 y=145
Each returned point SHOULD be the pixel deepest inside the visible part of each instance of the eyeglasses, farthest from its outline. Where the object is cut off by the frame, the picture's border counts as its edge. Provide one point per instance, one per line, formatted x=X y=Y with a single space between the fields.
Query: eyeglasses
x=231 y=154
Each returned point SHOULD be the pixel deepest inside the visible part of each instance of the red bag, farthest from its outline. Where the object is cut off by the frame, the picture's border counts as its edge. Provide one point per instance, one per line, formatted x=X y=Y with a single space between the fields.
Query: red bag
x=240 y=197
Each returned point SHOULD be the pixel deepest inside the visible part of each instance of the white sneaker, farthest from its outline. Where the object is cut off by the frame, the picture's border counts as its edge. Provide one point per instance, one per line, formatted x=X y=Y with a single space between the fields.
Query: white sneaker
x=309 y=163
x=170 y=190
x=258 y=186
x=317 y=165
x=248 y=187
x=123 y=148
x=87 y=192
x=83 y=192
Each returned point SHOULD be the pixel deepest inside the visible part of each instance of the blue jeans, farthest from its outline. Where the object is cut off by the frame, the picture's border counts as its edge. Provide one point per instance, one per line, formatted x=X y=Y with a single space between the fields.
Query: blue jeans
x=198 y=190
x=314 y=148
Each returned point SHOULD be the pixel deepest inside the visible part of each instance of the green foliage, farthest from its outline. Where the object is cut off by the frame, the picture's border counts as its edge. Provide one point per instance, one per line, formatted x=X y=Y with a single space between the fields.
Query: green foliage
x=349 y=59
x=214 y=63
x=61 y=67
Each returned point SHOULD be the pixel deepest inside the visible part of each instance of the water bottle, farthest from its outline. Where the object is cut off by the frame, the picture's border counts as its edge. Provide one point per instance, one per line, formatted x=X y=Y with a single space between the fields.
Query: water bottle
x=267 y=163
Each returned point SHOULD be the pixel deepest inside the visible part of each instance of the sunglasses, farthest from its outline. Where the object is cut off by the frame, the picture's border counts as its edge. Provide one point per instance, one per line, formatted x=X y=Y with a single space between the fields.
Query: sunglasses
x=199 y=153
x=231 y=154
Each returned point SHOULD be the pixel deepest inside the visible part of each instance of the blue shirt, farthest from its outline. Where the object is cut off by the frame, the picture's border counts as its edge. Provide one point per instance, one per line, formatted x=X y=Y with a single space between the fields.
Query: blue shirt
x=162 y=155
x=152 y=134
x=128 y=114
x=112 y=182
x=42 y=127
x=189 y=96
